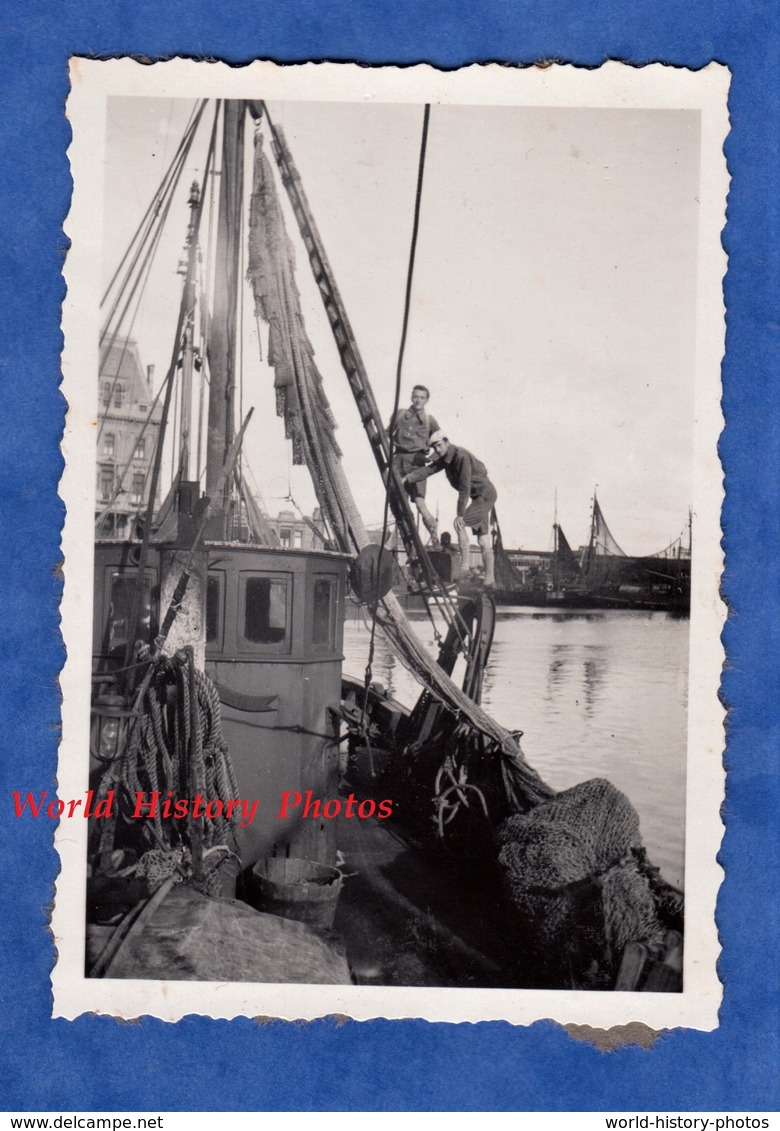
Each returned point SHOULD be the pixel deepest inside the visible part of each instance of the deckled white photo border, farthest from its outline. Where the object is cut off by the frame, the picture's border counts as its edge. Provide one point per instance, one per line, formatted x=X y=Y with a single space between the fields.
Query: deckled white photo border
x=612 y=85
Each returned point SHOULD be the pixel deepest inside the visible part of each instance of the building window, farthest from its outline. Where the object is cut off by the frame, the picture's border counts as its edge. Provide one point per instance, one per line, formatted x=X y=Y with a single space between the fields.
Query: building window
x=298 y=539
x=142 y=408
x=285 y=537
x=106 y=483
x=137 y=492
x=108 y=444
x=106 y=393
x=140 y=449
x=119 y=390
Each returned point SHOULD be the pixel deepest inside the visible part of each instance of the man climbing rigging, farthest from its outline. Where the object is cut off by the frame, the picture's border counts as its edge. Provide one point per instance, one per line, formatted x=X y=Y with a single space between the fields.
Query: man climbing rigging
x=476 y=496
x=411 y=430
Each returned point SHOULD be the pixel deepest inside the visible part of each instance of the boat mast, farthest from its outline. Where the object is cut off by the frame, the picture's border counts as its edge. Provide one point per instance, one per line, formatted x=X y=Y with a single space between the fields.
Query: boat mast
x=188 y=351
x=592 y=539
x=556 y=544
x=176 y=357
x=222 y=338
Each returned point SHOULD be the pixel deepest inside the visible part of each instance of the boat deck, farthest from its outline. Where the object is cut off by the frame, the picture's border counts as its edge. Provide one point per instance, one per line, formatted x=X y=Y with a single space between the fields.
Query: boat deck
x=408 y=921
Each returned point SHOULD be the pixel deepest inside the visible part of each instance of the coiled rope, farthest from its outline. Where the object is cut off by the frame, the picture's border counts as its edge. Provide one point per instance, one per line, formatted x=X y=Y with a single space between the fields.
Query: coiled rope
x=175 y=744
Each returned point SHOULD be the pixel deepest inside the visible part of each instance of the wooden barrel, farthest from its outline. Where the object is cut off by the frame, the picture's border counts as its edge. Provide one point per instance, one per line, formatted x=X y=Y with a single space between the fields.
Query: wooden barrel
x=295 y=888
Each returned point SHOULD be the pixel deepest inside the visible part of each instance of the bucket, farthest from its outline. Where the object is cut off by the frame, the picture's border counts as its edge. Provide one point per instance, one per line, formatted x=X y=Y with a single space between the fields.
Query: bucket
x=295 y=889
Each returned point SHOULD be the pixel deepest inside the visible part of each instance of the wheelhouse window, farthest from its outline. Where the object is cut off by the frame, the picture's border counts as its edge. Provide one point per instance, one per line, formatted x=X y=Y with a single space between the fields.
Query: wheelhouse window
x=323 y=633
x=215 y=589
x=266 y=603
x=126 y=614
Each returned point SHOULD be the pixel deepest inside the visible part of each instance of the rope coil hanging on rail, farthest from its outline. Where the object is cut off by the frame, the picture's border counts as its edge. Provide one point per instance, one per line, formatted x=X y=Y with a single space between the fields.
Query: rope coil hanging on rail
x=174 y=743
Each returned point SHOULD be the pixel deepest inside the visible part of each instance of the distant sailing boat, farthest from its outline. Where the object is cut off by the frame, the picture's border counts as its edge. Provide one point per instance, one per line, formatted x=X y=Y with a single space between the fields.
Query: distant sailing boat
x=601 y=576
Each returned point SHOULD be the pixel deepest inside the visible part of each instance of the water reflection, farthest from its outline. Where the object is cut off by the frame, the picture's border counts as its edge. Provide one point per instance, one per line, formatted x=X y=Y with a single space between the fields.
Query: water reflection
x=563 y=672
x=599 y=694
x=569 y=615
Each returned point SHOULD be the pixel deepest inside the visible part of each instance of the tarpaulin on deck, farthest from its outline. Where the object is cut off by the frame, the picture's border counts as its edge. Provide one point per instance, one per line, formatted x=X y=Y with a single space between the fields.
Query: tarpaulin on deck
x=196 y=938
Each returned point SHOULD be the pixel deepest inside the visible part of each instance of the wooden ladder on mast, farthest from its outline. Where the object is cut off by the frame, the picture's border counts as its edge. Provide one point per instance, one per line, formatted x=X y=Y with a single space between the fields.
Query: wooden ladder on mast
x=418 y=560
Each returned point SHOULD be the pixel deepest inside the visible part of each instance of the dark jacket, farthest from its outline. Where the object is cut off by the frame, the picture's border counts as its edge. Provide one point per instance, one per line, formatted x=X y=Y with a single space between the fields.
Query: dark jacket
x=466 y=473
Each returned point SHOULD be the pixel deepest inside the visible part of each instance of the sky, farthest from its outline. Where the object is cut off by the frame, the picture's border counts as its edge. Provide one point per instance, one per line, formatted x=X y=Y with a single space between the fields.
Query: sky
x=553 y=308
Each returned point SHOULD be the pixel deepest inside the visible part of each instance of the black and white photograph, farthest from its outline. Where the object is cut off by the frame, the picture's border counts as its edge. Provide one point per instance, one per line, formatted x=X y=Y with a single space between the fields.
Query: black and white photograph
x=392 y=544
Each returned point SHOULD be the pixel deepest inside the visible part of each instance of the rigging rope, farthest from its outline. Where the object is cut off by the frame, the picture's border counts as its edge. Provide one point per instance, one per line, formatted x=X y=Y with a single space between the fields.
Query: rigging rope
x=189 y=133
x=397 y=401
x=118 y=483
x=141 y=278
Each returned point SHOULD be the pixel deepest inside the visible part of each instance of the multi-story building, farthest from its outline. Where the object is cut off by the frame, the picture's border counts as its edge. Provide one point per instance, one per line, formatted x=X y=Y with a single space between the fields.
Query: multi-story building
x=298 y=532
x=128 y=427
x=129 y=424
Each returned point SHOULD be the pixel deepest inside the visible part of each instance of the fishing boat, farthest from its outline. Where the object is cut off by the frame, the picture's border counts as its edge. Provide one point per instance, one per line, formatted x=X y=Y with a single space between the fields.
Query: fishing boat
x=237 y=773
x=600 y=576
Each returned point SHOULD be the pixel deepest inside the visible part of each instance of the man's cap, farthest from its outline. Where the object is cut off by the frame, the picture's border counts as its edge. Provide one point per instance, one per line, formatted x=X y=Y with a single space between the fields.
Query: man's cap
x=435 y=437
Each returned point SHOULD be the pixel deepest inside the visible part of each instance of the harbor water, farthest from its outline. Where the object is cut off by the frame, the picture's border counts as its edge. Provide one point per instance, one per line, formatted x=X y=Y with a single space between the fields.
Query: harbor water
x=596 y=694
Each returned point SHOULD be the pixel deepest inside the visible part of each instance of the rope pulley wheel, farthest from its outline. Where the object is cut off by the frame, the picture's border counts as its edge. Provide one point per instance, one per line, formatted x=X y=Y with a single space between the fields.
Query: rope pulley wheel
x=373 y=574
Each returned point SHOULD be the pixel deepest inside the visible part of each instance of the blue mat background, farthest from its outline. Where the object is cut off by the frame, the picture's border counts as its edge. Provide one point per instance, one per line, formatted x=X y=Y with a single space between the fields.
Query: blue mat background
x=197 y=1064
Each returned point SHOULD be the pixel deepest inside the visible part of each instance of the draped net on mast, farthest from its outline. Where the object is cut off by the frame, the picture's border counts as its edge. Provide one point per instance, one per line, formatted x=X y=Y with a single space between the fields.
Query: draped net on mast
x=310 y=425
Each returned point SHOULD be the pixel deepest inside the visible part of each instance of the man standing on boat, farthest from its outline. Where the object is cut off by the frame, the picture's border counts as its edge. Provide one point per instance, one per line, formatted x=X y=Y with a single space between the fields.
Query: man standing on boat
x=476 y=497
x=411 y=430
